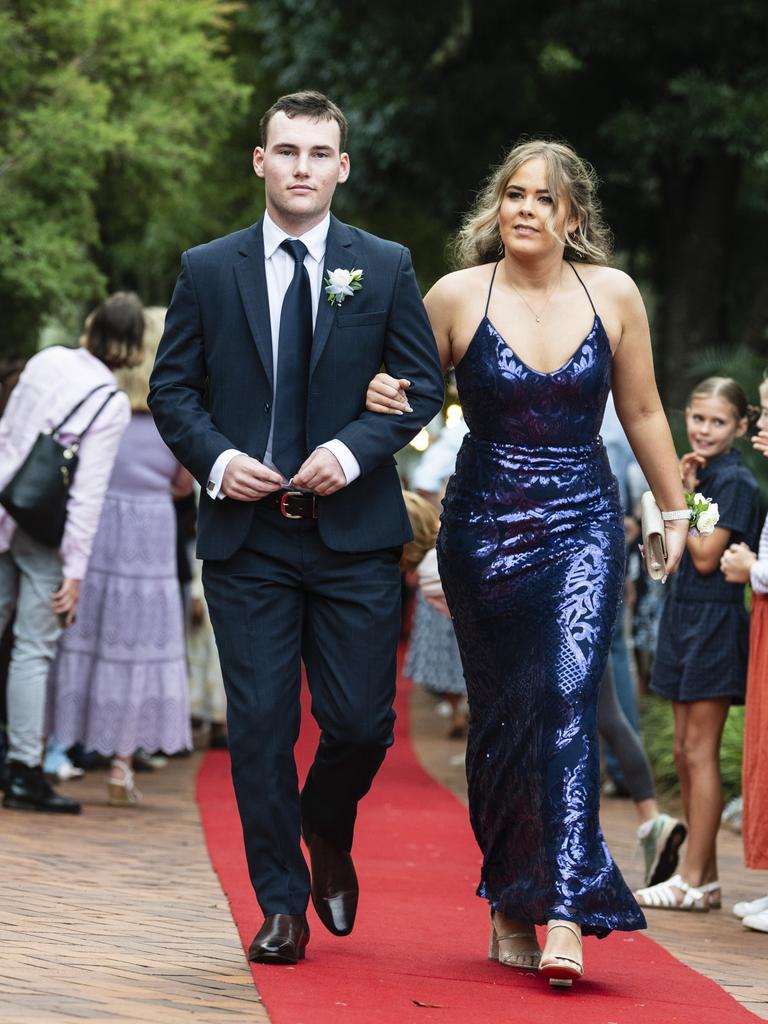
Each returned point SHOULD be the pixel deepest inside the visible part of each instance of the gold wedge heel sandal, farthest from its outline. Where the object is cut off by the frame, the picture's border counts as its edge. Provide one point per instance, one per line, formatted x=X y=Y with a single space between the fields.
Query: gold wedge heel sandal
x=559 y=970
x=515 y=949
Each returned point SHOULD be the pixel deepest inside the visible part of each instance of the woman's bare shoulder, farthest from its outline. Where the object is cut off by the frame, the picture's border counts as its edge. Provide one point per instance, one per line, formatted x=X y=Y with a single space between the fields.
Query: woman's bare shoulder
x=610 y=280
x=611 y=288
x=459 y=283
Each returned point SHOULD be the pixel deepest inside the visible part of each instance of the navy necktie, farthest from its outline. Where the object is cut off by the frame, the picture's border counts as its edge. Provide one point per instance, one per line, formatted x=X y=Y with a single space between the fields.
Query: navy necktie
x=289 y=440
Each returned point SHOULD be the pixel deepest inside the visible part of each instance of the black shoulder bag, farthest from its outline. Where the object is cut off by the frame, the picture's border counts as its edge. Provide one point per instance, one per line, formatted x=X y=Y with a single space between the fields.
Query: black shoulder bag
x=36 y=496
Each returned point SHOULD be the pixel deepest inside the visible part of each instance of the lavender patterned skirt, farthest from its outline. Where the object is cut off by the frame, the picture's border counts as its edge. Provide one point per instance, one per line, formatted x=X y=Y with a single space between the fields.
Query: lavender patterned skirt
x=119 y=681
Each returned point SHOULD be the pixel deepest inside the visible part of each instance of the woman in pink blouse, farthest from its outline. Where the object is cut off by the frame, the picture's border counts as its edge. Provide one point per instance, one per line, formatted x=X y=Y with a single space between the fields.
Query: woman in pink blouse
x=43 y=583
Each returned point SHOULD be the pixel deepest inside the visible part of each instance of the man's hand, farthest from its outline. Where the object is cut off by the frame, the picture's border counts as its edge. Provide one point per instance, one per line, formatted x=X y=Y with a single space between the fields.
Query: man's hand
x=321 y=473
x=247 y=479
x=64 y=600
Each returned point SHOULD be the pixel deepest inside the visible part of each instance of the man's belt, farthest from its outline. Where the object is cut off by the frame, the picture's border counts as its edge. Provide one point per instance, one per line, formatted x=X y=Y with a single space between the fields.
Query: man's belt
x=292 y=504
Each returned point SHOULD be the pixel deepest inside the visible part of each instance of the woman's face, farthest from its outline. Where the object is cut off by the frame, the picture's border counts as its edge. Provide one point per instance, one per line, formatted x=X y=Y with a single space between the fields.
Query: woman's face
x=713 y=425
x=525 y=209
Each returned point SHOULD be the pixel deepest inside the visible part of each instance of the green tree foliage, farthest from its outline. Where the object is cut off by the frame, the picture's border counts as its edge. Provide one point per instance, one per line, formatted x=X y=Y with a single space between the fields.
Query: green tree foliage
x=668 y=99
x=126 y=128
x=113 y=116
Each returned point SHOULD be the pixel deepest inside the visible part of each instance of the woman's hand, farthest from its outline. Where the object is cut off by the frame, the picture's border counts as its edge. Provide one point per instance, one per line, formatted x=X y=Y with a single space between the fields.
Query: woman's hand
x=760 y=442
x=690 y=464
x=675 y=538
x=387 y=394
x=737 y=562
x=64 y=601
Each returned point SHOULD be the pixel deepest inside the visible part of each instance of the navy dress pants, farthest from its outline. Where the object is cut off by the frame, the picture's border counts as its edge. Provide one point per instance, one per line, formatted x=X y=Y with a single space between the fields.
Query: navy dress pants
x=284 y=597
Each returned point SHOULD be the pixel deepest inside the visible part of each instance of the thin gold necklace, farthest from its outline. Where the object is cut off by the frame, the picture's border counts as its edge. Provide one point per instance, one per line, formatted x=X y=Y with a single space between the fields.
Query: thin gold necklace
x=537 y=316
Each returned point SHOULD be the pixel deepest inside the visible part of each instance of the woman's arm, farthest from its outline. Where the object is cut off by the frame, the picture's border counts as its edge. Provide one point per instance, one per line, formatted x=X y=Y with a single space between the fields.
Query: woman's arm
x=387 y=394
x=641 y=413
x=440 y=303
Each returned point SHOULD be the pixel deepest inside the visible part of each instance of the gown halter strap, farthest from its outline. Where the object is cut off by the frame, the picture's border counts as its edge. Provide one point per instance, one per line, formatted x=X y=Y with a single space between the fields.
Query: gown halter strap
x=586 y=290
x=578 y=278
x=490 y=288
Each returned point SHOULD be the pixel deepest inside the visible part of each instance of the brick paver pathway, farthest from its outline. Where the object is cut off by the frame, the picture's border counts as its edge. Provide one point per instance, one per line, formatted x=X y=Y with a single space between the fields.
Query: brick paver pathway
x=116 y=916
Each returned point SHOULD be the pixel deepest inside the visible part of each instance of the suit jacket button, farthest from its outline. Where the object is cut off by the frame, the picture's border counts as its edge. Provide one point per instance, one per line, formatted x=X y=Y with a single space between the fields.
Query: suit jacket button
x=267 y=407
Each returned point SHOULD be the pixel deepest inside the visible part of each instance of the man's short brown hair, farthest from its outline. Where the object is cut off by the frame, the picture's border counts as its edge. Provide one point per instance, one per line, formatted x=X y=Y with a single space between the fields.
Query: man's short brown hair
x=306 y=104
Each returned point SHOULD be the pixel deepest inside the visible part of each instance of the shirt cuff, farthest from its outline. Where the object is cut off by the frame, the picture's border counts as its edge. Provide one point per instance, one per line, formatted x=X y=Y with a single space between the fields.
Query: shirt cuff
x=215 y=477
x=349 y=464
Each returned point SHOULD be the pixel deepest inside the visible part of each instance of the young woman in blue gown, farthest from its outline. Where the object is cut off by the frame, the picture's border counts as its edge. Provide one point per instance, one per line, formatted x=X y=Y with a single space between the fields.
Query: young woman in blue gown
x=539 y=328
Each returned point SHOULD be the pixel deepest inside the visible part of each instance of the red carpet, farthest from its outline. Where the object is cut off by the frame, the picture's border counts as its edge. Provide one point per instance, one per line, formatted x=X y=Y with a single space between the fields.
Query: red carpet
x=417 y=954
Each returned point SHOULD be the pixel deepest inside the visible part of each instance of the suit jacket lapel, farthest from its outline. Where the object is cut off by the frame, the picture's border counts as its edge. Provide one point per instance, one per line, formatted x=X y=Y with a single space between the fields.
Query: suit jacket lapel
x=338 y=253
x=252 y=282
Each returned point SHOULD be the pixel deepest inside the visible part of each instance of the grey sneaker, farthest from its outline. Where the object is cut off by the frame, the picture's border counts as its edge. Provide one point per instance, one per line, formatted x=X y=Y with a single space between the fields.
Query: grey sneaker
x=661 y=848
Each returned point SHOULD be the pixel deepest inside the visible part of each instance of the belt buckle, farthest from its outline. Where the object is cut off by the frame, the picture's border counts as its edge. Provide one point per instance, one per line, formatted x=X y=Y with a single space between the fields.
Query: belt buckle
x=283 y=504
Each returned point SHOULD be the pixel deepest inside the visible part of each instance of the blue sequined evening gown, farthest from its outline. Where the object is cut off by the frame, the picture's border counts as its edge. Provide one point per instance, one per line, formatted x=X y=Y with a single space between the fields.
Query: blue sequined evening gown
x=531 y=552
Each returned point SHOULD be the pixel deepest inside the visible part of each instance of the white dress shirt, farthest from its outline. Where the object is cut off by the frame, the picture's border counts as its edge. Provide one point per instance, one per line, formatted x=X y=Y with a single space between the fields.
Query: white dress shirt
x=279 y=268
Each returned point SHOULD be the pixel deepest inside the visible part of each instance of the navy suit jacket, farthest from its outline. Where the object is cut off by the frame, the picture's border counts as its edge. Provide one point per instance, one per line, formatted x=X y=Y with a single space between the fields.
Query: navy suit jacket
x=211 y=387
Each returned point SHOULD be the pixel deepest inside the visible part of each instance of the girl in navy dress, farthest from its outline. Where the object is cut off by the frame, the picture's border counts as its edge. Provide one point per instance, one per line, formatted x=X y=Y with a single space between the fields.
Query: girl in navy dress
x=701 y=659
x=531 y=546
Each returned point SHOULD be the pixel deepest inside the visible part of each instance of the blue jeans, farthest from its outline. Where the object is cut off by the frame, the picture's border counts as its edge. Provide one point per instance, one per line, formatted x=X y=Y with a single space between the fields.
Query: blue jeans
x=29 y=573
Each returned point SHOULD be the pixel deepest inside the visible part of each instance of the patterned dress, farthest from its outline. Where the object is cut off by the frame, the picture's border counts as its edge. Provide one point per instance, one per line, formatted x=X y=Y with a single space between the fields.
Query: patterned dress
x=532 y=554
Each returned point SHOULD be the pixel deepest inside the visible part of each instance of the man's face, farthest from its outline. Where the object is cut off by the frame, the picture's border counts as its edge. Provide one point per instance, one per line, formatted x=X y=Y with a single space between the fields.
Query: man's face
x=301 y=166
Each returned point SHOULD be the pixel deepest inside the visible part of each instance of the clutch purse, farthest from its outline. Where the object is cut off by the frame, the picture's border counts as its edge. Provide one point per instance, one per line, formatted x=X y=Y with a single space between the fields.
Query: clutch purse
x=654 y=544
x=36 y=496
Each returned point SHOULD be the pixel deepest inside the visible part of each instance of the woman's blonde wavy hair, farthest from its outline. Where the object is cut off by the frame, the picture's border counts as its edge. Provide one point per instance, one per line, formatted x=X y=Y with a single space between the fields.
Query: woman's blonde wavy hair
x=135 y=380
x=569 y=179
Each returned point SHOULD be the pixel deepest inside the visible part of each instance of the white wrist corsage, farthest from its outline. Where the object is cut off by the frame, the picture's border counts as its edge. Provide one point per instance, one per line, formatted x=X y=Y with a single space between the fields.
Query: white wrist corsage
x=340 y=283
x=704 y=514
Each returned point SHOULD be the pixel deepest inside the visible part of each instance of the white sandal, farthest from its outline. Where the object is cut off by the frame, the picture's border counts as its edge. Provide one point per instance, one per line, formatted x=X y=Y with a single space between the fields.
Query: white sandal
x=122 y=792
x=714 y=897
x=665 y=896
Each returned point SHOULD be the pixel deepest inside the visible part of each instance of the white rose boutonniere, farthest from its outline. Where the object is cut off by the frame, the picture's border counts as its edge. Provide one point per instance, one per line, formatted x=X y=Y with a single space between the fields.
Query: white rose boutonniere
x=340 y=283
x=704 y=514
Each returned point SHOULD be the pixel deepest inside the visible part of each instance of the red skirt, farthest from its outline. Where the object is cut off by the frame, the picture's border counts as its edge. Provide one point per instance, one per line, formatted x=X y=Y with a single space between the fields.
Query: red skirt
x=755 y=765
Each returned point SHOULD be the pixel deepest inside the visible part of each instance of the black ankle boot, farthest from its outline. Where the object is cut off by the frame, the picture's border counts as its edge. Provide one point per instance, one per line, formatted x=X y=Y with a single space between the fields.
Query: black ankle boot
x=27 y=789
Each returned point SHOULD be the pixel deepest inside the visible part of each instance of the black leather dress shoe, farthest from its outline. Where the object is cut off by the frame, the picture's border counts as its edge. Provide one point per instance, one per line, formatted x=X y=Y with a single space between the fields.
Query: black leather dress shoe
x=282 y=939
x=334 y=884
x=27 y=789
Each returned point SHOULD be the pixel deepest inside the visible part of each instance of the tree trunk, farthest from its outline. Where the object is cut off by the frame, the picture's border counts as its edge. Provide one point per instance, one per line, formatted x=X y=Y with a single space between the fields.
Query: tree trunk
x=697 y=235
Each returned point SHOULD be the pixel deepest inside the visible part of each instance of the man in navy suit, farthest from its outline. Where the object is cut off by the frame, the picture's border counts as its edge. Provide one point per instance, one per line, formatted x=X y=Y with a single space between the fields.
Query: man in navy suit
x=259 y=389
